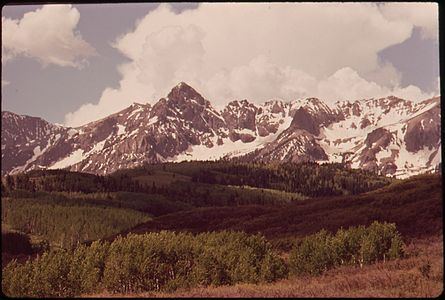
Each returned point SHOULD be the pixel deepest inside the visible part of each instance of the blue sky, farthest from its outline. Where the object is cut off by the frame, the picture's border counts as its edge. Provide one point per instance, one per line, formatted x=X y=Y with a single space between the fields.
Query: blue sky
x=73 y=64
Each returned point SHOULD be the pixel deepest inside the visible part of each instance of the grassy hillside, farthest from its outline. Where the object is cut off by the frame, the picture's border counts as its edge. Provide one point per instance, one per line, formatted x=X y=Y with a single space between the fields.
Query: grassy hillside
x=415 y=205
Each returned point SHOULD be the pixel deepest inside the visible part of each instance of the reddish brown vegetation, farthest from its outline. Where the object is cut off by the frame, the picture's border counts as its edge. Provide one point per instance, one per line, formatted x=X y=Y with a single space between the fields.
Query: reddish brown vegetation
x=415 y=205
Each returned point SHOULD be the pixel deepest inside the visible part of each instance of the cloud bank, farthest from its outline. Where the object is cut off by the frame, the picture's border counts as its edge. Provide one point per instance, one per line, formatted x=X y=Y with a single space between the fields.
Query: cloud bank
x=47 y=35
x=425 y=16
x=259 y=51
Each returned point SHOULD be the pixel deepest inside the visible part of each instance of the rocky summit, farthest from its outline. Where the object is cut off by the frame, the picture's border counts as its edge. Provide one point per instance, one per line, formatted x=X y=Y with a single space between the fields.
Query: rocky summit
x=390 y=136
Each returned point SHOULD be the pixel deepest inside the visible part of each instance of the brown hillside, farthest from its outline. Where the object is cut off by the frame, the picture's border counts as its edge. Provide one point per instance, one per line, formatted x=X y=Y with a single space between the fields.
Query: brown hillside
x=415 y=205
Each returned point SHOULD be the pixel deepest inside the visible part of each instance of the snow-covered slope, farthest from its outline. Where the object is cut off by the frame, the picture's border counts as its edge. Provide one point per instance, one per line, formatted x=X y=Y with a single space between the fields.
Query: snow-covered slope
x=391 y=136
x=26 y=139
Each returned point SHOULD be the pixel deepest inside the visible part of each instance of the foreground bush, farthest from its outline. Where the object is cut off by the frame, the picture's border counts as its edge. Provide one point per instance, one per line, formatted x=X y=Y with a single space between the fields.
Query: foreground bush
x=355 y=246
x=138 y=263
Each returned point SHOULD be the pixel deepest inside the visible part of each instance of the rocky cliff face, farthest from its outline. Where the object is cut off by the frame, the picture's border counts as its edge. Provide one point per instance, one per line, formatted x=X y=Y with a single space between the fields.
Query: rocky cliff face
x=25 y=138
x=391 y=136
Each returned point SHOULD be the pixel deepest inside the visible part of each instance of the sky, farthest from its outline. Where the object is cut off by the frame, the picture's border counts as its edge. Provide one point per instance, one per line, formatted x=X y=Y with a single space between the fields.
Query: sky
x=73 y=64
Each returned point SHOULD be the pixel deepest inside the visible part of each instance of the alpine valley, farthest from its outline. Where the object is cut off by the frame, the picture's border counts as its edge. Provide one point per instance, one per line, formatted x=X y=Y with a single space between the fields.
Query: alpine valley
x=389 y=136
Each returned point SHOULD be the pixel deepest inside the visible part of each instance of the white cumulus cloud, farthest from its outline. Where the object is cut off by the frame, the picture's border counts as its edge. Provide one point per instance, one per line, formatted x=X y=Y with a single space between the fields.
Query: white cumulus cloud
x=347 y=84
x=423 y=15
x=257 y=51
x=47 y=35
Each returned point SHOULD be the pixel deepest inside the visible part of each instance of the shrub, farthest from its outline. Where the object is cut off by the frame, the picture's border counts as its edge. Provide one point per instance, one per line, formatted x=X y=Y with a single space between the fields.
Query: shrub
x=313 y=255
x=381 y=241
x=357 y=245
x=88 y=266
x=346 y=245
x=231 y=257
x=138 y=263
x=17 y=279
x=46 y=276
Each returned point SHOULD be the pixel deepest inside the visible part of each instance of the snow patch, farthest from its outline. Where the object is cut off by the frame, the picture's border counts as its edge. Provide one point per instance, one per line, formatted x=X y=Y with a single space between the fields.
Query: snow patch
x=409 y=163
x=121 y=129
x=75 y=157
x=215 y=114
x=246 y=131
x=134 y=132
x=36 y=153
x=153 y=120
x=134 y=112
x=98 y=147
x=229 y=148
x=71 y=132
x=385 y=153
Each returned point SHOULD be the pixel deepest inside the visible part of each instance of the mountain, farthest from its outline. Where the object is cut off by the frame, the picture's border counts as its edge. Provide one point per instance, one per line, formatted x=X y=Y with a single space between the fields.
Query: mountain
x=25 y=139
x=389 y=135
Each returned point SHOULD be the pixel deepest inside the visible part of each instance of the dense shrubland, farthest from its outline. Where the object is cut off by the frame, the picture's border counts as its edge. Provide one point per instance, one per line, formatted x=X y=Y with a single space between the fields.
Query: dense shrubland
x=168 y=261
x=418 y=275
x=155 y=261
x=360 y=245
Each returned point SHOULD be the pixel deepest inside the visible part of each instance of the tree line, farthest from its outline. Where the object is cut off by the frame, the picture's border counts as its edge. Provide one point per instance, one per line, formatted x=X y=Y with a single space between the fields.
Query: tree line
x=66 y=181
x=309 y=179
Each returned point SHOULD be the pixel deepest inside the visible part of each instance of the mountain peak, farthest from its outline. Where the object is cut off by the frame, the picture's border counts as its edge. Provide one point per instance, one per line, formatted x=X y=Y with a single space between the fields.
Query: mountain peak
x=182 y=91
x=182 y=86
x=140 y=105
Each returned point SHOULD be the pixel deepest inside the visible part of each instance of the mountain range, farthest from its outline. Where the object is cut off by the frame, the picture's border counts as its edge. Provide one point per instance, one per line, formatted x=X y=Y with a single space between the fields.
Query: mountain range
x=390 y=136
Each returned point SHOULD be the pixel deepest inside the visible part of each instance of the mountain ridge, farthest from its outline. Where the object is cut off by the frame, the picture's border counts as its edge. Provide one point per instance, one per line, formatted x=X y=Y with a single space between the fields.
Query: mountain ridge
x=390 y=135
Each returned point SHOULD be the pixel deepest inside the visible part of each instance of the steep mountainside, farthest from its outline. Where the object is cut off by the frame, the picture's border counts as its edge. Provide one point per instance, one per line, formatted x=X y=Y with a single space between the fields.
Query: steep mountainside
x=391 y=136
x=25 y=139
